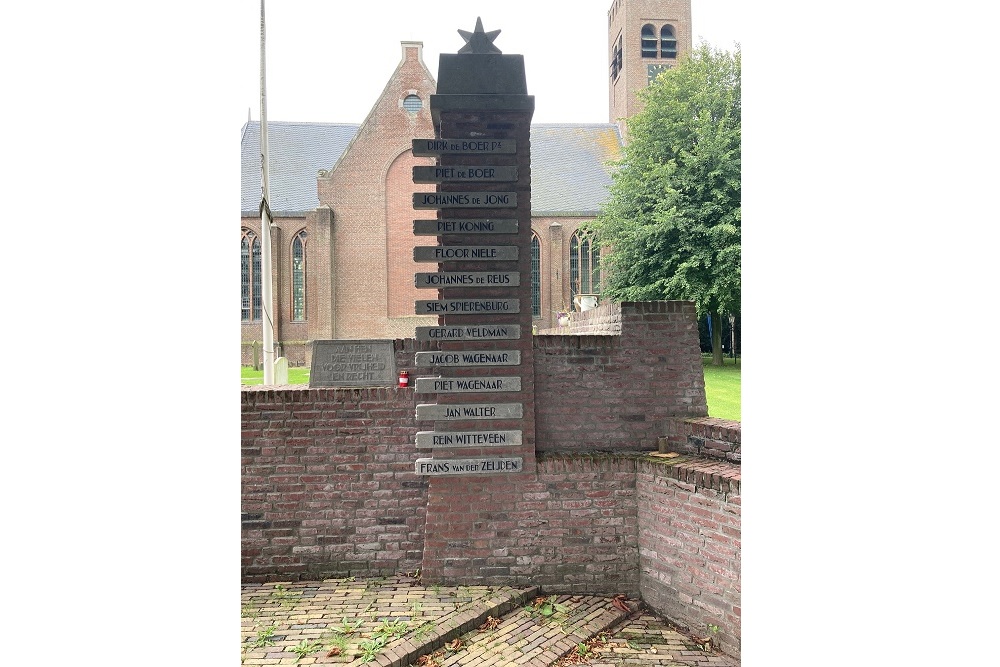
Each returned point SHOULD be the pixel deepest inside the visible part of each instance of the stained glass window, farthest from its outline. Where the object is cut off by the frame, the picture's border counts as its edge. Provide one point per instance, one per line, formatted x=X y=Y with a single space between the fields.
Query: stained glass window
x=299 y=277
x=584 y=266
x=251 y=304
x=536 y=277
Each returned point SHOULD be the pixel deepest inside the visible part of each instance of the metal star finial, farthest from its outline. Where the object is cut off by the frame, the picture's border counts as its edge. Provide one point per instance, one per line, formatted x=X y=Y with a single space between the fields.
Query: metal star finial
x=479 y=41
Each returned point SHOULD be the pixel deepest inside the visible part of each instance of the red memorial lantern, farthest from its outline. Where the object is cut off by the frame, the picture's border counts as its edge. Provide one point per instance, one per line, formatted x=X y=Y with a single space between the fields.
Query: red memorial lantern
x=404 y=379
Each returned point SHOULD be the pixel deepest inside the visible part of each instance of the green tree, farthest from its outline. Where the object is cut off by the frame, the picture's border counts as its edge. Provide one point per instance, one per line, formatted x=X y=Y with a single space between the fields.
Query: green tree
x=671 y=226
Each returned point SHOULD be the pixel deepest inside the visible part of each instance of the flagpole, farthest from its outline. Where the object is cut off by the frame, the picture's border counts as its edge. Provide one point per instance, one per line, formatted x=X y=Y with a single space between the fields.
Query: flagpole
x=265 y=221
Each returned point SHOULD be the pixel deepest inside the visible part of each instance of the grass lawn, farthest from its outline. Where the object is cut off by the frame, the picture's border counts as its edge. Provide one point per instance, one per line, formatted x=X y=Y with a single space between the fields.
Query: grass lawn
x=296 y=375
x=722 y=387
x=722 y=384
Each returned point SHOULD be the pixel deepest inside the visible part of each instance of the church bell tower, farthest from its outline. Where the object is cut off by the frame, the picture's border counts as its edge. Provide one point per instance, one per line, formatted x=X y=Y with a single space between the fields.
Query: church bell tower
x=644 y=38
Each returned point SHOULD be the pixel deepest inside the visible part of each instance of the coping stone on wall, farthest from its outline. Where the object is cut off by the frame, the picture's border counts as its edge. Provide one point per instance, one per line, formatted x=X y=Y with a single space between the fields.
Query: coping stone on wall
x=701 y=472
x=706 y=436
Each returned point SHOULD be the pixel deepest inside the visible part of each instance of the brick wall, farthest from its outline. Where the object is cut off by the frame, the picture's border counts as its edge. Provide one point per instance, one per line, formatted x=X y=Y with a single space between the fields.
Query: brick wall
x=689 y=544
x=619 y=391
x=604 y=320
x=329 y=488
x=584 y=506
x=328 y=483
x=705 y=436
x=572 y=527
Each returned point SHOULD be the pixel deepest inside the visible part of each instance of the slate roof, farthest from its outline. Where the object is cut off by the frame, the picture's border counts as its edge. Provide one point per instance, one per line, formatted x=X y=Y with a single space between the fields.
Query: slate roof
x=296 y=151
x=569 y=165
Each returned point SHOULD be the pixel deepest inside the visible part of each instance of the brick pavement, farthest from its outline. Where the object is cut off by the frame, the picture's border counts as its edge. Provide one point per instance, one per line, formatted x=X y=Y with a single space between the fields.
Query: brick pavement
x=650 y=641
x=397 y=622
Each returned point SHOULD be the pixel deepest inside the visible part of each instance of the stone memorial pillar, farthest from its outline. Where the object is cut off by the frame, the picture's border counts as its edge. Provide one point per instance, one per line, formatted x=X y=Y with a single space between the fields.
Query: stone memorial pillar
x=476 y=407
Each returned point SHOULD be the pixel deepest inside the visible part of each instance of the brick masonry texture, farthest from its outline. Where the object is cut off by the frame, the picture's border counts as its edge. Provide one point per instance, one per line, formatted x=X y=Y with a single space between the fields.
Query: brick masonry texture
x=371 y=239
x=600 y=392
x=665 y=530
x=329 y=488
x=689 y=544
x=625 y=19
x=605 y=320
x=705 y=436
x=328 y=483
x=571 y=527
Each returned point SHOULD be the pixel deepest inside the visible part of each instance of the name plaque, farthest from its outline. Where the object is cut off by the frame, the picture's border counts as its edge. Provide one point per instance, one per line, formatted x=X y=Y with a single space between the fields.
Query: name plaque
x=431 y=439
x=462 y=411
x=466 y=306
x=466 y=279
x=483 y=466
x=432 y=147
x=472 y=226
x=467 y=385
x=353 y=363
x=464 y=200
x=470 y=332
x=469 y=358
x=464 y=253
x=464 y=173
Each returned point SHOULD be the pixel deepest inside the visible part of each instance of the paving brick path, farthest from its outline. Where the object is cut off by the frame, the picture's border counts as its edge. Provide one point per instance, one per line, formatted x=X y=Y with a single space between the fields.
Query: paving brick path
x=397 y=622
x=648 y=640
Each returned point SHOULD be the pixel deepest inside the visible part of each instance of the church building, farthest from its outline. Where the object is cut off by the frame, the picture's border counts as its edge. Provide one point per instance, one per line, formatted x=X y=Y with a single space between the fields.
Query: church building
x=341 y=198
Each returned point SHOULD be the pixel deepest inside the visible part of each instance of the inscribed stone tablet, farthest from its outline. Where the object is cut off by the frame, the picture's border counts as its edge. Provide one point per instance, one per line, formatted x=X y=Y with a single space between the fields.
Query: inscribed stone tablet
x=443 y=279
x=467 y=226
x=466 y=306
x=464 y=253
x=467 y=385
x=470 y=332
x=432 y=147
x=431 y=439
x=469 y=358
x=464 y=173
x=484 y=466
x=353 y=363
x=461 y=411
x=425 y=200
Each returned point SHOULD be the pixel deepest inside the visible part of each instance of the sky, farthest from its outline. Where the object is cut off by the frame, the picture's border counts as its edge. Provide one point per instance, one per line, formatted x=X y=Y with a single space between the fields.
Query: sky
x=318 y=49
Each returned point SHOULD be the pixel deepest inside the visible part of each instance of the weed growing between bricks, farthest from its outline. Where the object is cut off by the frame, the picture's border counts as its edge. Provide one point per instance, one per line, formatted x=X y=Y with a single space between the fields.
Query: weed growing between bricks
x=344 y=620
x=396 y=621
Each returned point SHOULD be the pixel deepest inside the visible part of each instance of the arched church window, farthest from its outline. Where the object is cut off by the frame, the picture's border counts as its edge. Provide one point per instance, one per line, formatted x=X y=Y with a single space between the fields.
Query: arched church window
x=584 y=265
x=668 y=42
x=536 y=277
x=299 y=277
x=648 y=41
x=250 y=279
